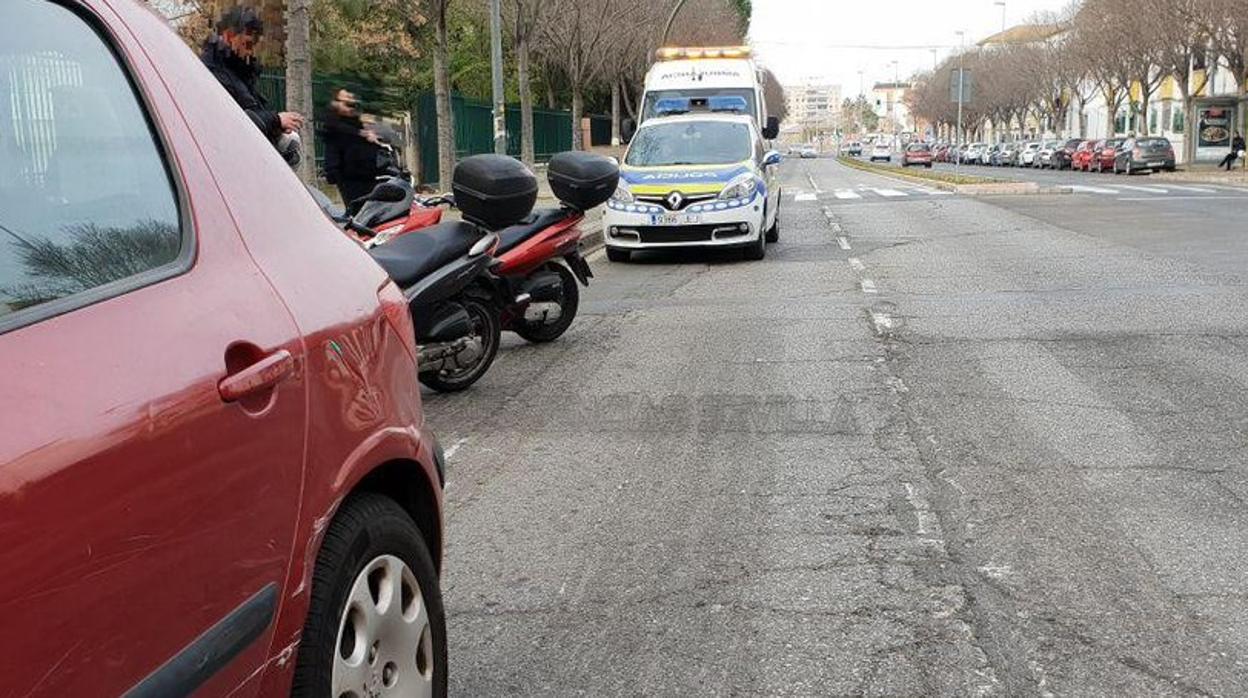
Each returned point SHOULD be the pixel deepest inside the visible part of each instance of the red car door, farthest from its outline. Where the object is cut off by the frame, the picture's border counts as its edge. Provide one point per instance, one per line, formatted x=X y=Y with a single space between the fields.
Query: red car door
x=152 y=442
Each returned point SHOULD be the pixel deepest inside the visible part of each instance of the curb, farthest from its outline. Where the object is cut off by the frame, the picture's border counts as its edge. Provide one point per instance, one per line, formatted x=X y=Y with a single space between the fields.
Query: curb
x=985 y=189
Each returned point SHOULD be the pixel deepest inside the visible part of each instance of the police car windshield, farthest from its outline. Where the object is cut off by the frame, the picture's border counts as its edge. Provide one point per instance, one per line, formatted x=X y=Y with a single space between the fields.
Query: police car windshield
x=690 y=143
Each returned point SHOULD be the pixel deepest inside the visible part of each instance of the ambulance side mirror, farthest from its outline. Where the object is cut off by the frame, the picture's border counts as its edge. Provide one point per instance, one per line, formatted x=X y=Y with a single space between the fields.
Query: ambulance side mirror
x=772 y=129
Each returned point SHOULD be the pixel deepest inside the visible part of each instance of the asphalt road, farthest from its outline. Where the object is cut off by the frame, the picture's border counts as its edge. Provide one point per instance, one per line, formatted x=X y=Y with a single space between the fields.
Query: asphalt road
x=931 y=445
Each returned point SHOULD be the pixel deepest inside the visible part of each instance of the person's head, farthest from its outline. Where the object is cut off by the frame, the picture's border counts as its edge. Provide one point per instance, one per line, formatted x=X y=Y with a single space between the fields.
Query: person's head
x=241 y=28
x=345 y=102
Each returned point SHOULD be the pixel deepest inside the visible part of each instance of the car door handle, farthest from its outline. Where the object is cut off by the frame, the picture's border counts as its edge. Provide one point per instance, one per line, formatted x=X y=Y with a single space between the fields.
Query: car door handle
x=261 y=375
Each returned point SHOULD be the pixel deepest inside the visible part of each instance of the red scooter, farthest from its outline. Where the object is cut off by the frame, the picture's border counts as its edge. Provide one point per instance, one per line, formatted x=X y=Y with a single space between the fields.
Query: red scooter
x=539 y=263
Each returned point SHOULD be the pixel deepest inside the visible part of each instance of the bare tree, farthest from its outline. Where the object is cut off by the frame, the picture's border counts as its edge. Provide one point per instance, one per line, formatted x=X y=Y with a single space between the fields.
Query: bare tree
x=299 y=79
x=578 y=37
x=524 y=17
x=438 y=10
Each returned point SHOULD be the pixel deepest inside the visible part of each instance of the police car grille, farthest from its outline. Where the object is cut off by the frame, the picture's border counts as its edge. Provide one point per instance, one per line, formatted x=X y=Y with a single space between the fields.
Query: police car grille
x=686 y=200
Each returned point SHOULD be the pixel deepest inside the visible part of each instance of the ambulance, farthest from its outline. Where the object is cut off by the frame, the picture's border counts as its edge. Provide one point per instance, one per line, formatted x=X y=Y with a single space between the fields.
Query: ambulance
x=700 y=74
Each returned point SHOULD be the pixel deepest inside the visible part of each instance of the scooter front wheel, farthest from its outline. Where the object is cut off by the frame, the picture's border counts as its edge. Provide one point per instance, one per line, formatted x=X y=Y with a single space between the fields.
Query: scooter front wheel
x=487 y=326
x=569 y=301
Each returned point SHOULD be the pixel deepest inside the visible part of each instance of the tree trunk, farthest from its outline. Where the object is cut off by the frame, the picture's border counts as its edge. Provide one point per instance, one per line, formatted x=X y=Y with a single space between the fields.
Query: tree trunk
x=1144 y=97
x=442 y=97
x=615 y=112
x=299 y=80
x=628 y=101
x=578 y=108
x=550 y=94
x=527 y=152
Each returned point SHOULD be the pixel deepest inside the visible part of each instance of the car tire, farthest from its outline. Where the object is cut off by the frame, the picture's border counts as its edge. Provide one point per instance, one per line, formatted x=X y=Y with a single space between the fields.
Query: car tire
x=756 y=250
x=540 y=333
x=615 y=254
x=484 y=318
x=371 y=544
x=773 y=233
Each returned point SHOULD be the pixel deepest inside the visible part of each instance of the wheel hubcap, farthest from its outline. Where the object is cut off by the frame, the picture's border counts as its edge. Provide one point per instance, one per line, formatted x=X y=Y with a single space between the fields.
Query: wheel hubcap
x=384 y=646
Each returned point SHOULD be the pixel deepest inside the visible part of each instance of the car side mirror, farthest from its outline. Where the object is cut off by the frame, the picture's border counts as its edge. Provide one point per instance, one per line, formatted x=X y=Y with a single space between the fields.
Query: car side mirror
x=772 y=157
x=772 y=129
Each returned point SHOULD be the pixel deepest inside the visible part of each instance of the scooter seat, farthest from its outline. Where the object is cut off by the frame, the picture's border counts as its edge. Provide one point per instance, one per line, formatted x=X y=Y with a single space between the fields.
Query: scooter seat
x=412 y=257
x=536 y=222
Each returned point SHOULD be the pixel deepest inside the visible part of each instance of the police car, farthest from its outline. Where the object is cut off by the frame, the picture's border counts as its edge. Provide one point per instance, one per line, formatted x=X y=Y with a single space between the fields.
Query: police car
x=695 y=180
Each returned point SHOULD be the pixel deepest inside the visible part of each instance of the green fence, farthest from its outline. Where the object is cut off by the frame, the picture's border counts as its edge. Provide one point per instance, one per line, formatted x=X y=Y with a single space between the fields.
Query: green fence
x=474 y=120
x=474 y=130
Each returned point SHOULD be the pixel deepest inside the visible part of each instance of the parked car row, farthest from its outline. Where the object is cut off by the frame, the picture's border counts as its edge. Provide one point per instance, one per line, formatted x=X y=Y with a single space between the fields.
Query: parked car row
x=1118 y=155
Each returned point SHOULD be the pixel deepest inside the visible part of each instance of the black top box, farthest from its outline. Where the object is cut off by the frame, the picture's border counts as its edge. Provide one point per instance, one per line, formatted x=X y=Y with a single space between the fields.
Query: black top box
x=493 y=191
x=582 y=180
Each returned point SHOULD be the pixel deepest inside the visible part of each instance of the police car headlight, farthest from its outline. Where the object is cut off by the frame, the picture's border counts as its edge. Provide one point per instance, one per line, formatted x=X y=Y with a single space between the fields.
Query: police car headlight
x=742 y=187
x=622 y=195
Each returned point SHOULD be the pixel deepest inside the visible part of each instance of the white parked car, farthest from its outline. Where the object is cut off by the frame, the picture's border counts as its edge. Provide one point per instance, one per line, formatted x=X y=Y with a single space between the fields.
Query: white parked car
x=881 y=151
x=1027 y=156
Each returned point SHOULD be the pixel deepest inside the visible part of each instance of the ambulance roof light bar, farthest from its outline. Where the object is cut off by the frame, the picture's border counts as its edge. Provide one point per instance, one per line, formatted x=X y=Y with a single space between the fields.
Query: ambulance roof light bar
x=676 y=53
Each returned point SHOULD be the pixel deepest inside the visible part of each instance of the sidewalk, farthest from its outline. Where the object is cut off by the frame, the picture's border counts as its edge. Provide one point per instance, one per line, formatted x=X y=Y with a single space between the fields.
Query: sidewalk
x=1206 y=173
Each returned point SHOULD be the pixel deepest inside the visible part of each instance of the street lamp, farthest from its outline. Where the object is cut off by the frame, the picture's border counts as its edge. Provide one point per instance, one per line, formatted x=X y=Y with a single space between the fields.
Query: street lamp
x=1001 y=4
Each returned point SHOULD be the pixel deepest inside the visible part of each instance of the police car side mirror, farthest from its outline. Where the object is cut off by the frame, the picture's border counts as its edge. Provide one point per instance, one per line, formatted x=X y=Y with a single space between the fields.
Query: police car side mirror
x=771 y=158
x=772 y=129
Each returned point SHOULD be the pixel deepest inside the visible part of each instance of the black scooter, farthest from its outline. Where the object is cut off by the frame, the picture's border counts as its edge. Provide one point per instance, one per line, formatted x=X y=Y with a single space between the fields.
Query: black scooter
x=443 y=273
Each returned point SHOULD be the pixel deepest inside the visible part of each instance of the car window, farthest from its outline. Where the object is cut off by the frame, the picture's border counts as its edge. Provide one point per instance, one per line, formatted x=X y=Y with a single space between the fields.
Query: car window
x=690 y=143
x=85 y=196
x=1153 y=142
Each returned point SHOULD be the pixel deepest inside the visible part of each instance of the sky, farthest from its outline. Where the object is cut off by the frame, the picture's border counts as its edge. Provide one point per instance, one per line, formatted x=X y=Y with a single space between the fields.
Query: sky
x=821 y=41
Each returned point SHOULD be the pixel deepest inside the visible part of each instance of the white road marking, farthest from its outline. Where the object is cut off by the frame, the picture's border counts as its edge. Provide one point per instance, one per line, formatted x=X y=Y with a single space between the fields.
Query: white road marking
x=454 y=448
x=1147 y=190
x=1092 y=190
x=847 y=194
x=890 y=193
x=813 y=185
x=805 y=197
x=868 y=286
x=1179 y=197
x=844 y=243
x=857 y=263
x=883 y=323
x=1198 y=190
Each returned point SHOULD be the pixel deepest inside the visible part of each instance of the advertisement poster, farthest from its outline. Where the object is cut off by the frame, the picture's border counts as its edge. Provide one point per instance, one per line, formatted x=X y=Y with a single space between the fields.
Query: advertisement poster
x=1214 y=128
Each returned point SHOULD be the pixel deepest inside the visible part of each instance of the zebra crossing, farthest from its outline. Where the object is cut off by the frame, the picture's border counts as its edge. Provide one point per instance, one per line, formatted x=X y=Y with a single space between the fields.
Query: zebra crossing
x=1164 y=190
x=869 y=193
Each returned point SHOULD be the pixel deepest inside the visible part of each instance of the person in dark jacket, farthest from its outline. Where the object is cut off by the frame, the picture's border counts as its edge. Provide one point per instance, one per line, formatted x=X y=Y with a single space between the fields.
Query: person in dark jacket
x=1237 y=147
x=231 y=56
x=351 y=149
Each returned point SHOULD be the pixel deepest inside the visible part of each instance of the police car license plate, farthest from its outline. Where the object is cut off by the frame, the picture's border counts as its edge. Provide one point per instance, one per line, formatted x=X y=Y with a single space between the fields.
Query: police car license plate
x=1154 y=164
x=675 y=219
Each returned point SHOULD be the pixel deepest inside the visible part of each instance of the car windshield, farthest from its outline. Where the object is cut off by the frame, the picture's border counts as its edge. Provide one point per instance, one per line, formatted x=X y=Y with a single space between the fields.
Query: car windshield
x=918 y=148
x=690 y=143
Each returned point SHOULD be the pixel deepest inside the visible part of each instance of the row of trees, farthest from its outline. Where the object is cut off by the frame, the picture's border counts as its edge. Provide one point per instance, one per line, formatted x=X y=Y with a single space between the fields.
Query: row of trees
x=577 y=54
x=1094 y=48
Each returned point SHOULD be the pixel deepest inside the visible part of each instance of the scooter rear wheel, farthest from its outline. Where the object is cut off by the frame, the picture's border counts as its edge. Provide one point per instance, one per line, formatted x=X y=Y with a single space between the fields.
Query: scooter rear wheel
x=486 y=324
x=570 y=300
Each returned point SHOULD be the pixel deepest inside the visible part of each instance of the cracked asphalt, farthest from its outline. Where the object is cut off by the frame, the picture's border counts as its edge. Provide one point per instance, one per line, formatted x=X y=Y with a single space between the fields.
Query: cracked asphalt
x=1016 y=468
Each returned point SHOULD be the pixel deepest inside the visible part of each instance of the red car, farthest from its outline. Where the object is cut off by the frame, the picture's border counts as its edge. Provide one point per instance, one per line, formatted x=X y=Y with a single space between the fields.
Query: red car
x=1082 y=157
x=917 y=154
x=1103 y=154
x=214 y=471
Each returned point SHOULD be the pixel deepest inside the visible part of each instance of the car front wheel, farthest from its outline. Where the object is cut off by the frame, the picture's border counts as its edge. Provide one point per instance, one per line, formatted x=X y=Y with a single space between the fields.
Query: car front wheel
x=375 y=625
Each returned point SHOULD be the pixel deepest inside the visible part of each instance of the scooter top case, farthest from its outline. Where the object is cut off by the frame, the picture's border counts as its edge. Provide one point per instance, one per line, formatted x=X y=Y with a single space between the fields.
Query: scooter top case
x=582 y=180
x=494 y=191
